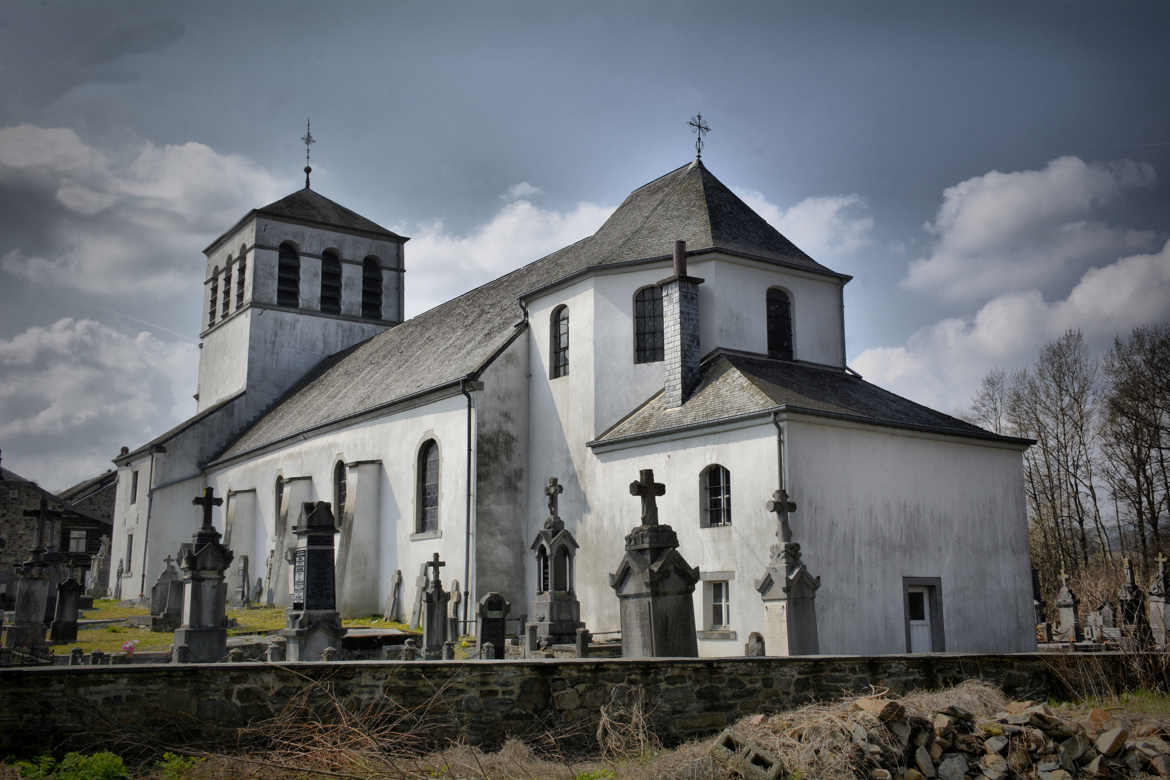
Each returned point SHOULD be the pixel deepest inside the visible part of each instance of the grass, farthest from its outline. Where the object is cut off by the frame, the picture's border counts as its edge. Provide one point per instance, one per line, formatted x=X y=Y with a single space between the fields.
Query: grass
x=1142 y=702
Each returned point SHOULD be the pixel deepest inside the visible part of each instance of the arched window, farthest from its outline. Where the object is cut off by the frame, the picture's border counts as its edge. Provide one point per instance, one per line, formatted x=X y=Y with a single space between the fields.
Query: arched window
x=279 y=495
x=288 y=277
x=339 y=492
x=542 y=578
x=214 y=295
x=558 y=352
x=241 y=265
x=428 y=488
x=561 y=580
x=330 y=282
x=371 y=288
x=227 y=289
x=648 y=324
x=715 y=489
x=779 y=324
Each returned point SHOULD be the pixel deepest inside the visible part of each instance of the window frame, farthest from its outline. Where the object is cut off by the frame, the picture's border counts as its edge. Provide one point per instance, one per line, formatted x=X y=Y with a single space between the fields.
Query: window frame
x=226 y=299
x=212 y=305
x=340 y=491
x=421 y=527
x=371 y=292
x=331 y=282
x=129 y=555
x=654 y=352
x=134 y=486
x=73 y=537
x=241 y=267
x=781 y=350
x=705 y=497
x=288 y=275
x=715 y=588
x=558 y=345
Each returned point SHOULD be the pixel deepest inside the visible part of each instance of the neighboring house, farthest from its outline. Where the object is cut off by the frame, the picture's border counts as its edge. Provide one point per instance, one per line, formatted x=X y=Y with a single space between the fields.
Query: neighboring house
x=438 y=434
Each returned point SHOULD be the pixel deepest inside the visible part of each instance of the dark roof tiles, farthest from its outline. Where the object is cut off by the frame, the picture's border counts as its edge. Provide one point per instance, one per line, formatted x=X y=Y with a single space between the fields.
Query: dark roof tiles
x=309 y=206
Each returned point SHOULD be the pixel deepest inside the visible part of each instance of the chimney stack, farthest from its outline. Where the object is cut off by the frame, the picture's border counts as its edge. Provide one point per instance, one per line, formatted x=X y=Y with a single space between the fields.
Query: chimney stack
x=680 y=320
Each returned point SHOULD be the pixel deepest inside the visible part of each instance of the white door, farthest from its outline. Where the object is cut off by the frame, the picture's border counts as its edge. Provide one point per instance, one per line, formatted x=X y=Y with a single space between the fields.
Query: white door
x=918 y=616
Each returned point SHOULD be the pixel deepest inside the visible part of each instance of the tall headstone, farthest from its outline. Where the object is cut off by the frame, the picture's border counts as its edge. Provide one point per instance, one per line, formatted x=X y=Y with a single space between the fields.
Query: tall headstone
x=789 y=590
x=202 y=638
x=64 y=628
x=240 y=583
x=491 y=625
x=99 y=571
x=166 y=599
x=27 y=630
x=1159 y=608
x=453 y=611
x=420 y=588
x=313 y=622
x=1069 y=629
x=556 y=608
x=53 y=560
x=394 y=605
x=1135 y=628
x=435 y=611
x=654 y=584
x=1039 y=607
x=118 y=581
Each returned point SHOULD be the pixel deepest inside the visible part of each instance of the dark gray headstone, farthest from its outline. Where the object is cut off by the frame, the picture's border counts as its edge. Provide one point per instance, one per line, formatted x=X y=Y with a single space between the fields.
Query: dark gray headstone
x=313 y=623
x=582 y=643
x=435 y=601
x=755 y=645
x=64 y=628
x=202 y=638
x=491 y=624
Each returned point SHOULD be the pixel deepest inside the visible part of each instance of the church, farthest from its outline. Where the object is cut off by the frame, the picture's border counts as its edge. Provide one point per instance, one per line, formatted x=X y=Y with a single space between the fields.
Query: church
x=687 y=336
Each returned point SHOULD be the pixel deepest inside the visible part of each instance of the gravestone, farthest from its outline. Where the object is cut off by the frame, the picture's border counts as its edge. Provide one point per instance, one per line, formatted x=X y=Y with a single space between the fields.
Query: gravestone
x=118 y=582
x=788 y=590
x=755 y=645
x=166 y=599
x=1039 y=607
x=582 y=642
x=556 y=608
x=420 y=588
x=202 y=638
x=1135 y=628
x=76 y=657
x=435 y=613
x=1069 y=628
x=32 y=597
x=313 y=622
x=409 y=650
x=240 y=586
x=393 y=612
x=491 y=625
x=654 y=584
x=257 y=592
x=64 y=628
x=448 y=650
x=1159 y=609
x=269 y=592
x=453 y=611
x=99 y=571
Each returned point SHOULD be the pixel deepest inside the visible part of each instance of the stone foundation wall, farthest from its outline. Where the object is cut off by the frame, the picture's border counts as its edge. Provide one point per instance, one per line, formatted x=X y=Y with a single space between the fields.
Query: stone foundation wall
x=482 y=702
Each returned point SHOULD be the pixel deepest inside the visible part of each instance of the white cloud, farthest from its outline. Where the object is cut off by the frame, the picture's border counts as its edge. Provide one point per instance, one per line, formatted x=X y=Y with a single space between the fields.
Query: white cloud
x=1027 y=229
x=72 y=393
x=521 y=191
x=822 y=226
x=131 y=224
x=443 y=265
x=941 y=365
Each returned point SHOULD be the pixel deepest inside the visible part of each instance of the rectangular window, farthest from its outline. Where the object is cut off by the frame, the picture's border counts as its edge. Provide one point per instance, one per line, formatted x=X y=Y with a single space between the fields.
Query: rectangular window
x=129 y=553
x=134 y=487
x=648 y=339
x=77 y=541
x=717 y=496
x=720 y=605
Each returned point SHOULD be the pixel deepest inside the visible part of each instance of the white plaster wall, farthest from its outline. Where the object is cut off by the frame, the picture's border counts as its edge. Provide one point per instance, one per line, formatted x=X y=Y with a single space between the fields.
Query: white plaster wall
x=875 y=505
x=223 y=360
x=129 y=519
x=394 y=440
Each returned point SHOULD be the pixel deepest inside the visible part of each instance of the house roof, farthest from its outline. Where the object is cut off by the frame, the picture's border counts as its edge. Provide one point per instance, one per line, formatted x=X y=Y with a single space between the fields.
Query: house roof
x=86 y=487
x=736 y=384
x=163 y=438
x=312 y=207
x=456 y=339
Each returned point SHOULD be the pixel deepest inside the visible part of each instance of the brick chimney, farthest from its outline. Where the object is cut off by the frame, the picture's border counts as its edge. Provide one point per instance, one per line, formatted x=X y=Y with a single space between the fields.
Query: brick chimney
x=680 y=320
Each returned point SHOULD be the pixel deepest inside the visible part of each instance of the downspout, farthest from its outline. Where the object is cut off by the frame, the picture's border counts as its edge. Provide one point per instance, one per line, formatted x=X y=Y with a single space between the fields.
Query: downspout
x=779 y=448
x=146 y=529
x=465 y=387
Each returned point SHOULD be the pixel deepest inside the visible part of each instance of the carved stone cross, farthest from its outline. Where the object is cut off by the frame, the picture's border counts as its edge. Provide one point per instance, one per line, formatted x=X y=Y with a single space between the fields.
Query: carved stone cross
x=434 y=563
x=42 y=516
x=169 y=560
x=649 y=490
x=553 y=490
x=782 y=507
x=207 y=501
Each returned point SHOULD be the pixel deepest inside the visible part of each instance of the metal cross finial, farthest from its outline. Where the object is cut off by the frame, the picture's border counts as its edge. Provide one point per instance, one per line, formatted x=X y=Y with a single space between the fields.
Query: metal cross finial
x=782 y=506
x=207 y=501
x=648 y=489
x=700 y=127
x=553 y=490
x=308 y=140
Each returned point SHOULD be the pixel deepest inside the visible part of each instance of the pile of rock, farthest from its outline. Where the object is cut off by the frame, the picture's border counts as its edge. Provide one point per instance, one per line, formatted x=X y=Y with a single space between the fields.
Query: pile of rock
x=1025 y=740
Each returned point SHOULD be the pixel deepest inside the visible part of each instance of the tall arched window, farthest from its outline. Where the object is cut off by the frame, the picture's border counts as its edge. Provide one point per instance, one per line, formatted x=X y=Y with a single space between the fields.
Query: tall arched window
x=427 y=491
x=561 y=580
x=241 y=266
x=339 y=492
x=330 y=282
x=715 y=490
x=227 y=289
x=214 y=296
x=779 y=324
x=648 y=324
x=558 y=352
x=542 y=578
x=279 y=496
x=372 y=288
x=288 y=277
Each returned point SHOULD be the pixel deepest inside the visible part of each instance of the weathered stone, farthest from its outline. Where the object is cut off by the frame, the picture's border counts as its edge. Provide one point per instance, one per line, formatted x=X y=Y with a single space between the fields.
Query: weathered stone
x=202 y=638
x=312 y=620
x=491 y=625
x=883 y=709
x=1111 y=742
x=754 y=648
x=994 y=766
x=924 y=762
x=1161 y=765
x=901 y=731
x=952 y=767
x=1019 y=761
x=1094 y=768
x=1072 y=749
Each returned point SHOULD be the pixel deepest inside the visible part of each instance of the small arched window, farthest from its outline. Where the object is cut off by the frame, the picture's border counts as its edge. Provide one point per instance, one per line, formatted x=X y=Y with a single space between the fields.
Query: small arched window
x=372 y=288
x=561 y=578
x=779 y=324
x=241 y=266
x=227 y=289
x=542 y=578
x=648 y=325
x=558 y=352
x=279 y=496
x=339 y=492
x=330 y=282
x=715 y=489
x=214 y=296
x=288 y=277
x=428 y=488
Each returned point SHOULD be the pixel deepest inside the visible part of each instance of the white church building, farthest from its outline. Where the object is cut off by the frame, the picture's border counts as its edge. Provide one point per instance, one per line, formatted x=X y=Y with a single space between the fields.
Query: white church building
x=438 y=434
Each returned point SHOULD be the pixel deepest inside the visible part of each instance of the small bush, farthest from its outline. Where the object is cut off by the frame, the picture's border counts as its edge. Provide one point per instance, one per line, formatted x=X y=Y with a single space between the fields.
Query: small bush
x=75 y=766
x=175 y=767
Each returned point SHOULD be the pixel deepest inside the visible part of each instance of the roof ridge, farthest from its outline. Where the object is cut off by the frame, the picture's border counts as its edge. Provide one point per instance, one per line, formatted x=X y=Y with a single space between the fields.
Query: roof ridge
x=668 y=195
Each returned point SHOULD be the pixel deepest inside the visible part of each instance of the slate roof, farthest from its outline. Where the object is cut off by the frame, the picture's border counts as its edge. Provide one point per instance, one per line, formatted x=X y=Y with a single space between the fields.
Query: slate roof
x=735 y=384
x=87 y=486
x=457 y=338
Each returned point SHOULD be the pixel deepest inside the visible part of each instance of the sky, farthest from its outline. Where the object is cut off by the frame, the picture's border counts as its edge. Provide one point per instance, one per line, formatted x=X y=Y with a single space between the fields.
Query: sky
x=991 y=174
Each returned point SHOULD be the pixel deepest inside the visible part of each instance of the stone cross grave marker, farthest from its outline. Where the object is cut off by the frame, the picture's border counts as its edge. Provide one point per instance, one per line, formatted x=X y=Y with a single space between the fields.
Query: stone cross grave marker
x=203 y=636
x=420 y=588
x=435 y=613
x=648 y=490
x=782 y=506
x=788 y=590
x=1159 y=609
x=166 y=599
x=394 y=606
x=553 y=491
x=453 y=611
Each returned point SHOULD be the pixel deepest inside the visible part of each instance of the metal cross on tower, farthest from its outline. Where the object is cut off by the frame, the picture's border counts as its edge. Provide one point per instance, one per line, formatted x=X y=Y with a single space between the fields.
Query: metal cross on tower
x=700 y=128
x=308 y=140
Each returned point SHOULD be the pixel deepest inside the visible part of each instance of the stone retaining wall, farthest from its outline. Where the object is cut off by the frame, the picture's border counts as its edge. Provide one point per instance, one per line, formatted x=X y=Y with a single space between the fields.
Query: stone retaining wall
x=482 y=702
